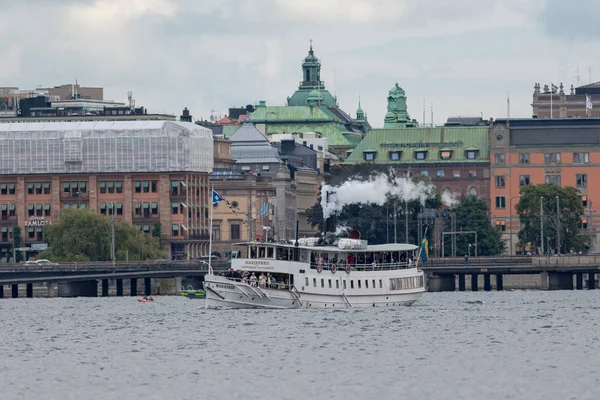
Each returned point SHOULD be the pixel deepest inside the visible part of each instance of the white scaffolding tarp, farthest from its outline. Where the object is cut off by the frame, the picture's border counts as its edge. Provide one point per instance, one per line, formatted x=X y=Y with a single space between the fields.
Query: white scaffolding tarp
x=105 y=147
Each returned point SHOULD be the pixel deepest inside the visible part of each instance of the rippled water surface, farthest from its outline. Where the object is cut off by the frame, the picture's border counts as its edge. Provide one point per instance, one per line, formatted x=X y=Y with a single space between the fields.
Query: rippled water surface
x=497 y=345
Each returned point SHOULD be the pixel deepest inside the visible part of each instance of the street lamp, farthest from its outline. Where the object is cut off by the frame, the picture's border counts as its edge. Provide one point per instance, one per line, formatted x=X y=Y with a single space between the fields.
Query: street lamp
x=542 y=224
x=112 y=205
x=78 y=199
x=12 y=229
x=138 y=205
x=557 y=226
x=510 y=229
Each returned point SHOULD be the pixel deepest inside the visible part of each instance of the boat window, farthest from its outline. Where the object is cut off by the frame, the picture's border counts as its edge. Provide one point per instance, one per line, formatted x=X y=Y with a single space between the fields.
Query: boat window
x=329 y=283
x=261 y=252
x=305 y=281
x=270 y=252
x=351 y=284
x=359 y=284
x=314 y=282
x=373 y=284
x=344 y=284
x=337 y=284
x=322 y=282
x=366 y=283
x=380 y=284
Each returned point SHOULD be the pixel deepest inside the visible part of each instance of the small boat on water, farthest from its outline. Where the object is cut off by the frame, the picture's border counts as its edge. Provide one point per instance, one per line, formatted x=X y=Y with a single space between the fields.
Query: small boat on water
x=193 y=293
x=347 y=273
x=146 y=300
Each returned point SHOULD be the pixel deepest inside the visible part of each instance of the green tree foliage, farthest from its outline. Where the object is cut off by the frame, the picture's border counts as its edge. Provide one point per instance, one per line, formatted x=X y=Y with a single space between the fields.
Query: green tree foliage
x=83 y=235
x=18 y=241
x=570 y=211
x=472 y=214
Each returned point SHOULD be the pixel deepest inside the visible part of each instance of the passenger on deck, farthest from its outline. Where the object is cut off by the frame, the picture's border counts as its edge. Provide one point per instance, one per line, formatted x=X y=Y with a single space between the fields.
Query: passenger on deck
x=253 y=280
x=273 y=282
x=262 y=281
x=350 y=259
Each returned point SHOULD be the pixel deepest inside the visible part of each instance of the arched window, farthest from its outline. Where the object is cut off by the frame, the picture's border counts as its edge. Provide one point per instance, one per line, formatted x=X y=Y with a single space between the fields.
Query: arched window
x=473 y=192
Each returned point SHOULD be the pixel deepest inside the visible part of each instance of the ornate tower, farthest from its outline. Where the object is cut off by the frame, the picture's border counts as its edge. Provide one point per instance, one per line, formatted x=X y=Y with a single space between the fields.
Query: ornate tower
x=397 y=115
x=311 y=80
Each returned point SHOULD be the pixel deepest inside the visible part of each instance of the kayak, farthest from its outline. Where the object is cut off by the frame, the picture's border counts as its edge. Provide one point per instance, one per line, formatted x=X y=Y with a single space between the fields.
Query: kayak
x=193 y=294
x=145 y=301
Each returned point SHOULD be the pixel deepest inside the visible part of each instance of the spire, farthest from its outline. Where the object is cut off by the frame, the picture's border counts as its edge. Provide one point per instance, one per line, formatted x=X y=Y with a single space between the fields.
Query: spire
x=360 y=114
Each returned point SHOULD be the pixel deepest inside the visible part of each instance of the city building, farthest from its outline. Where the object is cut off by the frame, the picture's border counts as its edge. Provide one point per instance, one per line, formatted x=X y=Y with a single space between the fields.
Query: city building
x=74 y=91
x=563 y=151
x=312 y=108
x=553 y=102
x=146 y=173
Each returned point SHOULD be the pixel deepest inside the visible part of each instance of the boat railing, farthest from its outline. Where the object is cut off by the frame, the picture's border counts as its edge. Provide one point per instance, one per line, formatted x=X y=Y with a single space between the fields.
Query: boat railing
x=270 y=285
x=363 y=267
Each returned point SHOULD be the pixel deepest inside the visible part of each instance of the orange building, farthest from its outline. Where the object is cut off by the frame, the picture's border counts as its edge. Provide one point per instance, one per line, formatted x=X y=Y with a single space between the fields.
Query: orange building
x=524 y=152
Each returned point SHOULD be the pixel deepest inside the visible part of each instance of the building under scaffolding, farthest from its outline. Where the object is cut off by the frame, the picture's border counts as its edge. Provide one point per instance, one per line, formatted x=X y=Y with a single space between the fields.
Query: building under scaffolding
x=105 y=147
x=152 y=174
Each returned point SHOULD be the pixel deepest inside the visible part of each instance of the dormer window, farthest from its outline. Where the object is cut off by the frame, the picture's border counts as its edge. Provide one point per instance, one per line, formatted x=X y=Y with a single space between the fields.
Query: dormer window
x=445 y=154
x=471 y=154
x=420 y=154
x=395 y=155
x=369 y=155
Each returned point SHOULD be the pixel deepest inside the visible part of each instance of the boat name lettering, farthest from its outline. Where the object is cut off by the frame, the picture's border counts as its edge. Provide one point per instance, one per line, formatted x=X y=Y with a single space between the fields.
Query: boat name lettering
x=257 y=262
x=223 y=286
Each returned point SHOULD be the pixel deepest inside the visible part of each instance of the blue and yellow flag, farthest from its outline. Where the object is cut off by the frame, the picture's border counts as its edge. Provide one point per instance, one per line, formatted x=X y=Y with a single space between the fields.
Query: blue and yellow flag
x=553 y=88
x=424 y=248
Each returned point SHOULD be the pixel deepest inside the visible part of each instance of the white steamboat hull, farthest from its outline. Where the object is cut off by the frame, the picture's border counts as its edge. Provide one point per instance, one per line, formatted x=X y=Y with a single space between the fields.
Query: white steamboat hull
x=221 y=293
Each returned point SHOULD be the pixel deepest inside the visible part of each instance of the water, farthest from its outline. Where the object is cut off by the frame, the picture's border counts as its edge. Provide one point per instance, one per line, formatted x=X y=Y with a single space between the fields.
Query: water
x=496 y=345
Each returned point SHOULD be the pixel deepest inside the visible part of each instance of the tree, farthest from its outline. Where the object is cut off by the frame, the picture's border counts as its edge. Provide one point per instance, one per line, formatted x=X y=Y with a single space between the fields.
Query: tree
x=570 y=212
x=17 y=241
x=472 y=214
x=83 y=235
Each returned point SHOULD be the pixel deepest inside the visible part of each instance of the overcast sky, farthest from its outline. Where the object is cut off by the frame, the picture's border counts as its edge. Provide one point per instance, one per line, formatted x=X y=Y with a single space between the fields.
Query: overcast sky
x=464 y=56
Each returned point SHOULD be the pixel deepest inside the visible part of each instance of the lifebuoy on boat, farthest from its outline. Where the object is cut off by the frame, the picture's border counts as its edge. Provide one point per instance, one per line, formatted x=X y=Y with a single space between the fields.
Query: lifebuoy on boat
x=348 y=268
x=333 y=268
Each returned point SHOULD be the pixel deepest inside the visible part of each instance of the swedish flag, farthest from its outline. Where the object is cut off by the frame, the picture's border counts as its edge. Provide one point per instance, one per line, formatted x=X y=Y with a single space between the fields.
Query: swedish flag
x=554 y=88
x=424 y=248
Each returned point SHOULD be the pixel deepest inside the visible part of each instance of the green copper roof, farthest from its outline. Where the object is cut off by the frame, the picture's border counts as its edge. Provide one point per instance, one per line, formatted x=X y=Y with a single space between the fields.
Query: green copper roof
x=229 y=130
x=432 y=140
x=296 y=114
x=300 y=97
x=336 y=135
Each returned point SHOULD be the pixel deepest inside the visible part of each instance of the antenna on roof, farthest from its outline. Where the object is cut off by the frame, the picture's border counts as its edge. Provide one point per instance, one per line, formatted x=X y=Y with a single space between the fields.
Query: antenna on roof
x=508 y=109
x=590 y=74
x=577 y=76
x=334 y=92
x=432 y=114
x=424 y=108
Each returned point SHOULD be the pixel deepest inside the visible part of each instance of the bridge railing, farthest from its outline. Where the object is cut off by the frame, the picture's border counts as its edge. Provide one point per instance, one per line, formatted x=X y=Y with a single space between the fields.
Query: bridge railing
x=108 y=266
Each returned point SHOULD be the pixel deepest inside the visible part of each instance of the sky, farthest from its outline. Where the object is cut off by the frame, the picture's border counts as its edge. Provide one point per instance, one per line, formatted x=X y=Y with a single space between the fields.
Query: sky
x=459 y=57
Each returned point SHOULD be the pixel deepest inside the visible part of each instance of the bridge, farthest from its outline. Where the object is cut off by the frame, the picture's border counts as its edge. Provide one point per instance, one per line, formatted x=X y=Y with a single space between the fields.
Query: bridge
x=564 y=272
x=81 y=279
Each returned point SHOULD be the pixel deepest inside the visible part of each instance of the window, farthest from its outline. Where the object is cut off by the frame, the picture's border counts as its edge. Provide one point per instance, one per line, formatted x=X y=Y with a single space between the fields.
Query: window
x=102 y=208
x=235 y=231
x=500 y=202
x=4 y=211
x=351 y=284
x=38 y=210
x=138 y=187
x=30 y=189
x=4 y=189
x=119 y=186
x=581 y=158
x=305 y=281
x=11 y=210
x=154 y=208
x=445 y=154
x=46 y=187
x=472 y=173
x=102 y=187
x=344 y=284
x=11 y=188
x=584 y=200
x=174 y=207
x=38 y=188
x=380 y=284
x=146 y=186
x=553 y=179
x=30 y=210
x=583 y=224
x=440 y=173
x=425 y=172
x=501 y=225
x=39 y=233
x=369 y=155
x=337 y=284
x=473 y=191
x=499 y=159
x=146 y=210
x=329 y=283
x=421 y=155
x=175 y=230
x=154 y=186
x=82 y=187
x=471 y=154
x=216 y=235
x=456 y=173
x=119 y=208
x=47 y=210
x=551 y=158
x=523 y=158
x=146 y=228
x=111 y=187
x=581 y=180
x=314 y=282
x=31 y=232
x=524 y=180
x=74 y=187
x=5 y=234
x=138 y=208
x=500 y=181
x=359 y=284
x=395 y=155
x=366 y=283
x=111 y=208
x=174 y=188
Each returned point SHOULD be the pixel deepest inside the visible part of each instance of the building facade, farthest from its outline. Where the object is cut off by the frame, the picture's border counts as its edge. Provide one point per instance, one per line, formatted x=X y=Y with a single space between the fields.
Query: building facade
x=535 y=151
x=551 y=102
x=145 y=173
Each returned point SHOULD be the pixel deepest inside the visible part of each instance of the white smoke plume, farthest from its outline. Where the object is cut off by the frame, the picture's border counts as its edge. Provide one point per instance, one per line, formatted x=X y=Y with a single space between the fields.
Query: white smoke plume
x=449 y=199
x=375 y=190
